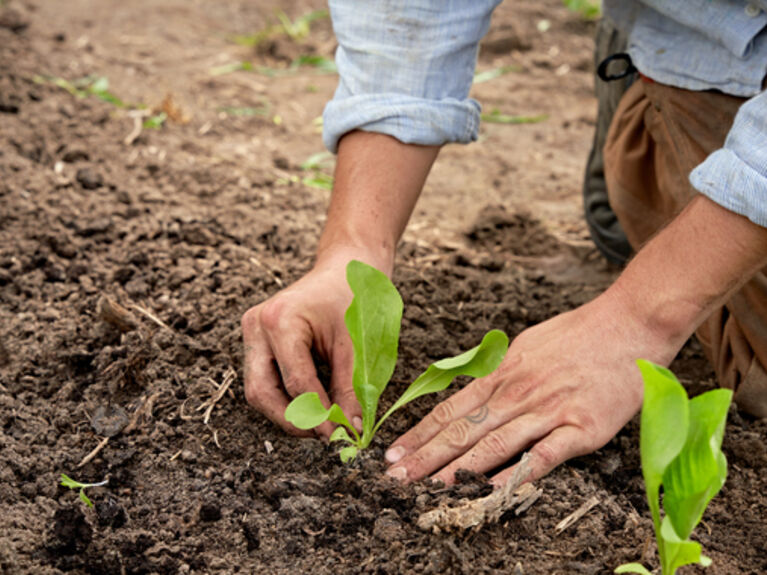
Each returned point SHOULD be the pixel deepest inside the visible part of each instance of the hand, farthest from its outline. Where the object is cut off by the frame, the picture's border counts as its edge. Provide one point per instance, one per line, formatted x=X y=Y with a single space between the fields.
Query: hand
x=279 y=335
x=565 y=387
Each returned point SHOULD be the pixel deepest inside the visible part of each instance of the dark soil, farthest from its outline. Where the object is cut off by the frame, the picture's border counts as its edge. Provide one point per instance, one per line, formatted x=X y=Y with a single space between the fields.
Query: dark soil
x=187 y=231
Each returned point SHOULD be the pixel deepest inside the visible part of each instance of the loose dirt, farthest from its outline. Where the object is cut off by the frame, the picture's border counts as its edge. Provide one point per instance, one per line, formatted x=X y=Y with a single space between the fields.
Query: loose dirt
x=189 y=225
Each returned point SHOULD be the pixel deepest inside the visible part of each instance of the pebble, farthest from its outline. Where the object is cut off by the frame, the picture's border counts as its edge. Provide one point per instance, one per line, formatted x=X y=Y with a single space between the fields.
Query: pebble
x=89 y=179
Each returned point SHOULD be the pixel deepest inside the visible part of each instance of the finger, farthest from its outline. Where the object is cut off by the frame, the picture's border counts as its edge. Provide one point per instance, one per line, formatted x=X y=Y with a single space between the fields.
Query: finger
x=496 y=447
x=342 y=389
x=459 y=405
x=263 y=389
x=450 y=443
x=561 y=444
x=291 y=344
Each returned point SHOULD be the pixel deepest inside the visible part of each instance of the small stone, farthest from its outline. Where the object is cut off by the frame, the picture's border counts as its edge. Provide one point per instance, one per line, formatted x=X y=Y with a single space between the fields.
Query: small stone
x=89 y=179
x=96 y=226
x=210 y=511
x=188 y=456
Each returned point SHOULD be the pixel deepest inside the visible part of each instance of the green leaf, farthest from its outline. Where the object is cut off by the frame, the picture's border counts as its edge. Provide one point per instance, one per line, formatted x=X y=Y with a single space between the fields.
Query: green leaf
x=663 y=428
x=487 y=75
x=319 y=63
x=307 y=412
x=320 y=181
x=340 y=434
x=348 y=453
x=633 y=568
x=697 y=474
x=155 y=122
x=496 y=117
x=67 y=481
x=477 y=362
x=677 y=553
x=85 y=499
x=373 y=321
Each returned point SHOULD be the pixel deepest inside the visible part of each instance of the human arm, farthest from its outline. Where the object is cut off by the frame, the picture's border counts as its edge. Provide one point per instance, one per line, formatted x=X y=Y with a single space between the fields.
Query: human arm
x=405 y=72
x=569 y=384
x=371 y=203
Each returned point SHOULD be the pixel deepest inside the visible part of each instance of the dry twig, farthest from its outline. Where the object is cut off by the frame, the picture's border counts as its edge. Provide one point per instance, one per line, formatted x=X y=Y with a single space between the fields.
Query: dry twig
x=102 y=444
x=488 y=509
x=587 y=506
x=221 y=390
x=113 y=313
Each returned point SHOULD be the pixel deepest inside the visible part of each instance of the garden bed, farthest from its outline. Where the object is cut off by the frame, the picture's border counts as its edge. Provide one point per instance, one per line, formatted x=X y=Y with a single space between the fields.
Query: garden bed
x=189 y=225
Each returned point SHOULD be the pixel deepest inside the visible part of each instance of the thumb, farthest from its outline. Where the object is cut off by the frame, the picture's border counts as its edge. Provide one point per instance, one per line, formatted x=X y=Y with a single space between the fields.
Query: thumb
x=341 y=386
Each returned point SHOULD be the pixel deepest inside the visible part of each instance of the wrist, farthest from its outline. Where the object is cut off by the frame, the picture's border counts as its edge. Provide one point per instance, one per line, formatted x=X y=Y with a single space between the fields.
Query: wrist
x=338 y=250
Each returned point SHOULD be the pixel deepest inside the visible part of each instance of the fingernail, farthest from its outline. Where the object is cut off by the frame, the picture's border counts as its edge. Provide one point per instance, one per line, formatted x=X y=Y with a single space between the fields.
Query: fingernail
x=398 y=473
x=394 y=454
x=357 y=423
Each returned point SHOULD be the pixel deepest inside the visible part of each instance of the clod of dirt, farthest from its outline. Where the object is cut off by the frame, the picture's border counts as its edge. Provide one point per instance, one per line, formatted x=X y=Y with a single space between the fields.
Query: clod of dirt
x=513 y=233
x=8 y=558
x=89 y=179
x=109 y=420
x=71 y=533
x=210 y=511
x=252 y=533
x=388 y=526
x=110 y=513
x=75 y=155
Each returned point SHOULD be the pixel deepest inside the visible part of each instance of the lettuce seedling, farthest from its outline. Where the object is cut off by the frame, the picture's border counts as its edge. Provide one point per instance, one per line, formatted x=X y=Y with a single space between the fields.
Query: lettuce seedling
x=67 y=481
x=680 y=443
x=373 y=321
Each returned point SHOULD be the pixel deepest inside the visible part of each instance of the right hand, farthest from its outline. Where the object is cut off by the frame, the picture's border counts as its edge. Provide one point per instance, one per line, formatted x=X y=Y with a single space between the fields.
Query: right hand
x=279 y=335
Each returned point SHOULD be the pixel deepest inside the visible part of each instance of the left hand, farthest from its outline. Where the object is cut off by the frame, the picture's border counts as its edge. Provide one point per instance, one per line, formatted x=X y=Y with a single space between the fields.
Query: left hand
x=564 y=389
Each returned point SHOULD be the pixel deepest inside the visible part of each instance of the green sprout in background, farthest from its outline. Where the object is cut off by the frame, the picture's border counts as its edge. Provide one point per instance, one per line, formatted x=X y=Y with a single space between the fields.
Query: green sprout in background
x=67 y=481
x=373 y=321
x=296 y=30
x=680 y=441
x=588 y=9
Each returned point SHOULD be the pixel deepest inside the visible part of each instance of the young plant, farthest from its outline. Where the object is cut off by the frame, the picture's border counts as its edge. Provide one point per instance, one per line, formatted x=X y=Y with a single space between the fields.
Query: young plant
x=373 y=321
x=67 y=481
x=680 y=443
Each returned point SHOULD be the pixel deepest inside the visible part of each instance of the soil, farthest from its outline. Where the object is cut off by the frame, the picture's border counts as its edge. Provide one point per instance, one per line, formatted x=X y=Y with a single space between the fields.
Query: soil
x=189 y=225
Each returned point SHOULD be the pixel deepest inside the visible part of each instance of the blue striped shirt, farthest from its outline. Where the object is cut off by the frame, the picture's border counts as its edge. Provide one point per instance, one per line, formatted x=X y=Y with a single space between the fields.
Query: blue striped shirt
x=406 y=67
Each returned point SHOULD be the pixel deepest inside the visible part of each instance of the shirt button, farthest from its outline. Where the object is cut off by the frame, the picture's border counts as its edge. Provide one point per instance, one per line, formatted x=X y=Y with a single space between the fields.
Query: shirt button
x=752 y=10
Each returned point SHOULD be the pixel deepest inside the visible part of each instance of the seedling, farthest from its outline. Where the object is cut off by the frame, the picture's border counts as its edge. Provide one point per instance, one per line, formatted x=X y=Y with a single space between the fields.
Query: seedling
x=373 y=321
x=588 y=9
x=680 y=442
x=497 y=117
x=67 y=481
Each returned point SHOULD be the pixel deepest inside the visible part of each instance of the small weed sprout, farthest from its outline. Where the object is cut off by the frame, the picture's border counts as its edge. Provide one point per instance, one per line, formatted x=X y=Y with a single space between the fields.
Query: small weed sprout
x=67 y=481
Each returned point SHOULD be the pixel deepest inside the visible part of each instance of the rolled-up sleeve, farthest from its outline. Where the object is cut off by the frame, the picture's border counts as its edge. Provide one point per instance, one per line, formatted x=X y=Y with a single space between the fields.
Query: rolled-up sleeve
x=406 y=67
x=736 y=175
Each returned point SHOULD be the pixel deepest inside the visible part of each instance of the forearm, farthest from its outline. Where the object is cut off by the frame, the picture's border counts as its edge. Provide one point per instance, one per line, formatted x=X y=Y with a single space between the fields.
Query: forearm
x=377 y=183
x=689 y=269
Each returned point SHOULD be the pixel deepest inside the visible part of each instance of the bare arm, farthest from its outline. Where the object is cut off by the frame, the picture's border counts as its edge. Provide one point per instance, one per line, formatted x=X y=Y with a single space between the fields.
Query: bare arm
x=378 y=180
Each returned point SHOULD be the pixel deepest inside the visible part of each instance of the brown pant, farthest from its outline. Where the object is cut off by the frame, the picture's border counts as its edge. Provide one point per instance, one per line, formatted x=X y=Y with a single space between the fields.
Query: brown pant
x=657 y=136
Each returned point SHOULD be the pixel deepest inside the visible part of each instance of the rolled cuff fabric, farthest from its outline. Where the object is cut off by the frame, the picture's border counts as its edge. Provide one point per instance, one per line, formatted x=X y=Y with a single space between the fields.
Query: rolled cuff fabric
x=405 y=69
x=411 y=120
x=735 y=177
x=733 y=184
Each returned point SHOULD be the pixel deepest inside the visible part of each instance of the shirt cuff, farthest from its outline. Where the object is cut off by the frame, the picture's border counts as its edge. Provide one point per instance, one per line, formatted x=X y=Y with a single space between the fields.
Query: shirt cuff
x=733 y=184
x=409 y=119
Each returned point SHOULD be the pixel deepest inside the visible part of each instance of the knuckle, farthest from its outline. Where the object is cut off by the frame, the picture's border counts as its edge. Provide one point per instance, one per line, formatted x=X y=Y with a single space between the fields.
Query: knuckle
x=443 y=414
x=272 y=313
x=347 y=397
x=457 y=435
x=495 y=442
x=546 y=455
x=250 y=320
x=293 y=385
